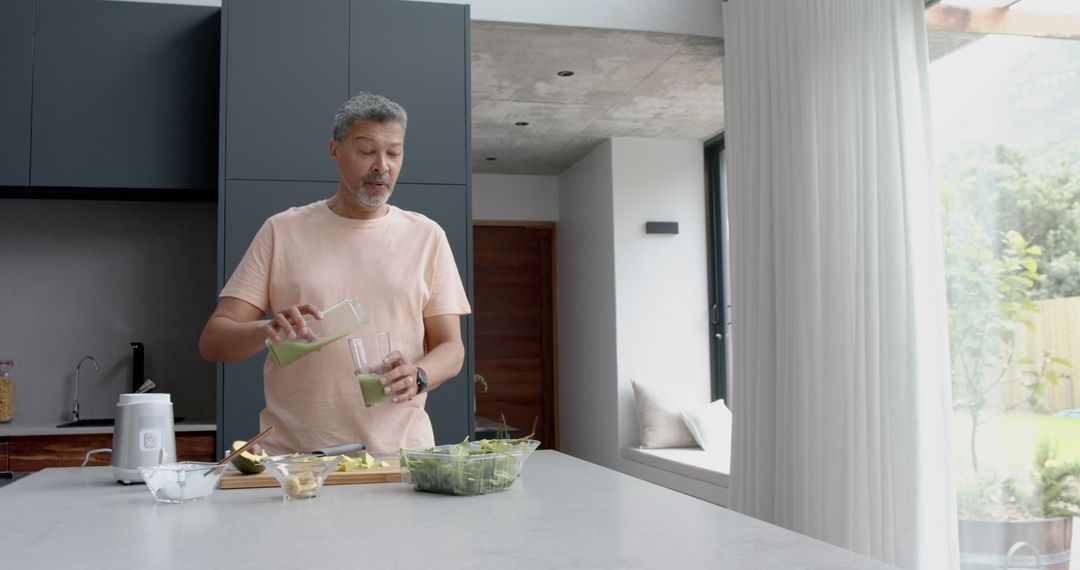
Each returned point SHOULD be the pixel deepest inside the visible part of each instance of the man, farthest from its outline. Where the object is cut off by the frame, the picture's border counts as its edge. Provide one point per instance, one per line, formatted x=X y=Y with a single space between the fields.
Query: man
x=354 y=244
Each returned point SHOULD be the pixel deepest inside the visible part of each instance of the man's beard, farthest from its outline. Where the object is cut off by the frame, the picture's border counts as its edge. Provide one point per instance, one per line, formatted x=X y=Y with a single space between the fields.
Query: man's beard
x=368 y=200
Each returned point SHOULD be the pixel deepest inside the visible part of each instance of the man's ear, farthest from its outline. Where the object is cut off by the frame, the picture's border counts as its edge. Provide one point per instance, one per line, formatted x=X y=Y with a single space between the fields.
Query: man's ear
x=334 y=149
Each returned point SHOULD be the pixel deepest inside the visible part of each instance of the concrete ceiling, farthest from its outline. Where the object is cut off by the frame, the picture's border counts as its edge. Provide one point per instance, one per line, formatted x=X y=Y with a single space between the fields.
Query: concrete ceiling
x=625 y=84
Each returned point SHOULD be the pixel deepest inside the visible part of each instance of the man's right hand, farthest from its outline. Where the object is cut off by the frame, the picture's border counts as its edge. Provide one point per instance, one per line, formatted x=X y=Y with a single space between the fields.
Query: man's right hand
x=236 y=330
x=289 y=323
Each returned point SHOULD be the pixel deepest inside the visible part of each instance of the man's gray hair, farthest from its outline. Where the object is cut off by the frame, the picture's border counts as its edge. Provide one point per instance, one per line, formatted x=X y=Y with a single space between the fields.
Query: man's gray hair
x=367 y=107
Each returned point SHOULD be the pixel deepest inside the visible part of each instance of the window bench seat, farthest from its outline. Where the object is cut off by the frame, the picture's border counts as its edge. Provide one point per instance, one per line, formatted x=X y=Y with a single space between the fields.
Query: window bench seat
x=690 y=470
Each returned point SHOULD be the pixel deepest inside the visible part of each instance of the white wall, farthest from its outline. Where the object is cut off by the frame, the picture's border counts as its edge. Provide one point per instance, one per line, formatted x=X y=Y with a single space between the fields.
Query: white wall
x=631 y=305
x=588 y=403
x=661 y=281
x=513 y=197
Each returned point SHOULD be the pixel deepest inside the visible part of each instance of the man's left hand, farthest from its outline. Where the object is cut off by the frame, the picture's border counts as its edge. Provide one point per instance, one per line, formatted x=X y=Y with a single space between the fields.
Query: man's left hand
x=401 y=379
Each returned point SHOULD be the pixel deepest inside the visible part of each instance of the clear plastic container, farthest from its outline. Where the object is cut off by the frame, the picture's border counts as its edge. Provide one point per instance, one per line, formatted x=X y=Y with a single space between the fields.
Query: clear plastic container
x=7 y=390
x=523 y=446
x=461 y=469
x=338 y=321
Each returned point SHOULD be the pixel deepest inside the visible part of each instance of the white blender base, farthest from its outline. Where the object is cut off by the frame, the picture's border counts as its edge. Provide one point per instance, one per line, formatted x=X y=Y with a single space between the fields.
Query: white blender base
x=126 y=476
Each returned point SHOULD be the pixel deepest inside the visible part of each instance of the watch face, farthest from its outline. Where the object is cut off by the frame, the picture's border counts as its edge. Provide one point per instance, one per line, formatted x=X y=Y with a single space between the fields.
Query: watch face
x=421 y=380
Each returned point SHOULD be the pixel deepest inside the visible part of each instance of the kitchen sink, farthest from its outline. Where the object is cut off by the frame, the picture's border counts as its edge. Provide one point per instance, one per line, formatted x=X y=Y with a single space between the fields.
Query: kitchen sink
x=98 y=422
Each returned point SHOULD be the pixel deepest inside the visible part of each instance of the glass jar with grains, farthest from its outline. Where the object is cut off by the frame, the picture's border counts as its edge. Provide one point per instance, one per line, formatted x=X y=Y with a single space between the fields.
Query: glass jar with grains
x=7 y=390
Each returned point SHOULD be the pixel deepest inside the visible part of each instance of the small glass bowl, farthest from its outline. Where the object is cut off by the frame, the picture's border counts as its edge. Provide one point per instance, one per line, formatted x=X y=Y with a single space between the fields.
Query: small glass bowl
x=184 y=482
x=301 y=475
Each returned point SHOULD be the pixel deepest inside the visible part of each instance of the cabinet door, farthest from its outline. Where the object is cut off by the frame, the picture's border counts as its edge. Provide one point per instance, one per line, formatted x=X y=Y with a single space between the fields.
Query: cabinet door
x=16 y=64
x=36 y=452
x=287 y=72
x=247 y=204
x=416 y=53
x=125 y=95
x=450 y=407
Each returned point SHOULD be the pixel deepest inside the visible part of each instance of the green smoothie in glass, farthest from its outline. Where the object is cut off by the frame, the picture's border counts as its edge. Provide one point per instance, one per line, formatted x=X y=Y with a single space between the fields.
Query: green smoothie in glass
x=369 y=354
x=372 y=389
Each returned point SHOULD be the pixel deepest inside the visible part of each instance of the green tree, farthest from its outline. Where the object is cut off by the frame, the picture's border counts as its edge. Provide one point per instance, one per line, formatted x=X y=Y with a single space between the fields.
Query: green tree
x=1043 y=204
x=990 y=287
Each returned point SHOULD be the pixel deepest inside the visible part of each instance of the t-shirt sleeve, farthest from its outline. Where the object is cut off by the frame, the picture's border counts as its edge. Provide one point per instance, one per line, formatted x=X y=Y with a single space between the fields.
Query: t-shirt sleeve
x=447 y=292
x=251 y=280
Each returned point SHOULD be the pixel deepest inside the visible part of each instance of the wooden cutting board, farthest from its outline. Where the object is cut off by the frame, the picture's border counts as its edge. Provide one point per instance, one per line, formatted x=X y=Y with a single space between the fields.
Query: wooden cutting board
x=233 y=479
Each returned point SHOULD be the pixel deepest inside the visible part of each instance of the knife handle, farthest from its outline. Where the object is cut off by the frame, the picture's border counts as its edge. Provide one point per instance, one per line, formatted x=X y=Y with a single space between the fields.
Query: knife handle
x=340 y=449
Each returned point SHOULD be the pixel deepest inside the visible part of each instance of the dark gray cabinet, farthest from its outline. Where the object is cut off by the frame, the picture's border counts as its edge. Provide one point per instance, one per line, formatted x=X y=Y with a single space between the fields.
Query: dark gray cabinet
x=16 y=71
x=125 y=95
x=450 y=406
x=248 y=204
x=288 y=66
x=416 y=54
x=286 y=73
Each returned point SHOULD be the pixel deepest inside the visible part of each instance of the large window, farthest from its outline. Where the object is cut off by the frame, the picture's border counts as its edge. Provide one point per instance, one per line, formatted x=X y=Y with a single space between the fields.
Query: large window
x=1006 y=110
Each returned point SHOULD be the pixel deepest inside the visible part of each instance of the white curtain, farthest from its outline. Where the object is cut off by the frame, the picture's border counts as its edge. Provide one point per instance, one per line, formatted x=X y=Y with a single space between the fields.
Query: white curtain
x=841 y=390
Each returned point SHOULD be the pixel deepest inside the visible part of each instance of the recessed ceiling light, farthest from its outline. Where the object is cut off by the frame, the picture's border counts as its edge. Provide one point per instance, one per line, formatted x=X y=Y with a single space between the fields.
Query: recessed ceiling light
x=521 y=124
x=490 y=158
x=565 y=73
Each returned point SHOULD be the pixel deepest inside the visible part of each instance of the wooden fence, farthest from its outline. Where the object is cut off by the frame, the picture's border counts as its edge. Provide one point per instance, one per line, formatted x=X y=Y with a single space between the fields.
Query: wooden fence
x=1057 y=329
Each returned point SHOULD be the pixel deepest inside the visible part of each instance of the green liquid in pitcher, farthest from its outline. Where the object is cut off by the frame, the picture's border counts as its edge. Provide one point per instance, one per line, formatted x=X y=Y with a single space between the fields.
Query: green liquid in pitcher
x=372 y=390
x=285 y=353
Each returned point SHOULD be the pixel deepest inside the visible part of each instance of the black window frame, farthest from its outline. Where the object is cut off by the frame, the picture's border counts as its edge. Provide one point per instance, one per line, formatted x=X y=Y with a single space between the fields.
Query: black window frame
x=719 y=296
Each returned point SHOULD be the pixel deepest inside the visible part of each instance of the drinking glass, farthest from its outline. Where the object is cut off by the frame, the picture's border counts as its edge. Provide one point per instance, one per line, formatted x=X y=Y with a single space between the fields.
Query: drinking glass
x=368 y=353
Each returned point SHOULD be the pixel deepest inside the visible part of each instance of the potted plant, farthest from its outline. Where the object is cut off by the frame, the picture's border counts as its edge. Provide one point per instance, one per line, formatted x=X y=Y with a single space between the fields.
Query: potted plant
x=990 y=296
x=1021 y=520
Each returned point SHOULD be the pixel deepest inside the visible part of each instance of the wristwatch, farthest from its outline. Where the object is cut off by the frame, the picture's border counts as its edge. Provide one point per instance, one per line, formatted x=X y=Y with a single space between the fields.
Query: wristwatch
x=421 y=380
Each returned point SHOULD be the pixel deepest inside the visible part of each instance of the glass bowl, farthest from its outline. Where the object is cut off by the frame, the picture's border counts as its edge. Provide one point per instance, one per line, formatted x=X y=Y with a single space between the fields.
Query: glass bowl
x=475 y=468
x=301 y=475
x=184 y=482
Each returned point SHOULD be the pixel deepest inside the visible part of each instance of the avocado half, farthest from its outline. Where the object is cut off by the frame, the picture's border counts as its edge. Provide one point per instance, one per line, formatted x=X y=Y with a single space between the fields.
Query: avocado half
x=247 y=462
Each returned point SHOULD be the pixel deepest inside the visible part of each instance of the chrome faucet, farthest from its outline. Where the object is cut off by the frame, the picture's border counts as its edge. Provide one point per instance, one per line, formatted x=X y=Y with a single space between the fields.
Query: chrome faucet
x=75 y=405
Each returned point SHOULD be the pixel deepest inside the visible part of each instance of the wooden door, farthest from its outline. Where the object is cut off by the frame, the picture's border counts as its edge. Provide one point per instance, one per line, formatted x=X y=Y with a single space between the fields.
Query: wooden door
x=514 y=279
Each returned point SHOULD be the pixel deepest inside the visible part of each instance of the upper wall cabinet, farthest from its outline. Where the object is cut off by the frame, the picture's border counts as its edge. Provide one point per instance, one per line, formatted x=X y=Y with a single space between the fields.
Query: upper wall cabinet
x=287 y=70
x=417 y=54
x=288 y=65
x=125 y=95
x=16 y=65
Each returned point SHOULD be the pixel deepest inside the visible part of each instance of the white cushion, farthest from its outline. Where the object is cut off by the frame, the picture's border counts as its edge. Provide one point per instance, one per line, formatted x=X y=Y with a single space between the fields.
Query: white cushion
x=710 y=424
x=658 y=416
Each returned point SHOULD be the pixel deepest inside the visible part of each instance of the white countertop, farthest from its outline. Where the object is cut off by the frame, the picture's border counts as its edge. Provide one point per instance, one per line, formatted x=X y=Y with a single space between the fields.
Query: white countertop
x=562 y=513
x=14 y=429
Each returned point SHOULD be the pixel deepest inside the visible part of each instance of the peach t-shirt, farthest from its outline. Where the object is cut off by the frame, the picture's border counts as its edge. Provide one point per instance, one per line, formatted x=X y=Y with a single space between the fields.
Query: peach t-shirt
x=402 y=270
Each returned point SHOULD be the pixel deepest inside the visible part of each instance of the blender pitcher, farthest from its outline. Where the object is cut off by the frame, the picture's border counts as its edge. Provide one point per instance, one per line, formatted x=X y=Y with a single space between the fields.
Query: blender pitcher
x=338 y=322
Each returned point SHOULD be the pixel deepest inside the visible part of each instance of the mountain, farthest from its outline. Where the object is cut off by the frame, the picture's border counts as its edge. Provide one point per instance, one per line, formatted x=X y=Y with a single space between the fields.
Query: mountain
x=1018 y=91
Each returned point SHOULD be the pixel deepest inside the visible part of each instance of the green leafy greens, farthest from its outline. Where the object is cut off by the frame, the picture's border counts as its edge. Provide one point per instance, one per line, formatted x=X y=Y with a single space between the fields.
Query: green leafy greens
x=465 y=468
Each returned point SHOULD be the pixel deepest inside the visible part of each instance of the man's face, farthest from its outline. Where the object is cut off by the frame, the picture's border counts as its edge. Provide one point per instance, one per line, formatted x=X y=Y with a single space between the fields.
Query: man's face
x=369 y=161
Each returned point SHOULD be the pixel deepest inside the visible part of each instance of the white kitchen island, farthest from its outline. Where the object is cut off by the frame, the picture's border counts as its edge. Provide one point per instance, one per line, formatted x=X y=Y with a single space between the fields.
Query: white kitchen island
x=562 y=513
